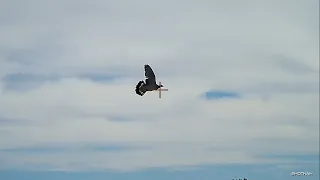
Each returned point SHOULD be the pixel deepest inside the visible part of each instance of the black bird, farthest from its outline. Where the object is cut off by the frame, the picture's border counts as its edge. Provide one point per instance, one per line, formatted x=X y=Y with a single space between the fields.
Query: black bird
x=150 y=84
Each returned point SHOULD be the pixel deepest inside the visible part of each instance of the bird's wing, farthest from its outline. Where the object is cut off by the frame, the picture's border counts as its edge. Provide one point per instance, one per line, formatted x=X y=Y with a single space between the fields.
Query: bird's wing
x=140 y=88
x=150 y=77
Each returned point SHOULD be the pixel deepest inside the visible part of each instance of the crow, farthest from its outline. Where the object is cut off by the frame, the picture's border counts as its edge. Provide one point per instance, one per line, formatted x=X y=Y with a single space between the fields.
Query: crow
x=150 y=84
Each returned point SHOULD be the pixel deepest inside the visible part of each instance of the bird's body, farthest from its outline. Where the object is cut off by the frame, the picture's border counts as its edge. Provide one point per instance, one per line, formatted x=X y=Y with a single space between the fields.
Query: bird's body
x=150 y=84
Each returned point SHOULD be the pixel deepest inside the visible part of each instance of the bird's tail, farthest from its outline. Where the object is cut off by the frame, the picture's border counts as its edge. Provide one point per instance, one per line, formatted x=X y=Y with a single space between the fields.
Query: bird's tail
x=138 y=90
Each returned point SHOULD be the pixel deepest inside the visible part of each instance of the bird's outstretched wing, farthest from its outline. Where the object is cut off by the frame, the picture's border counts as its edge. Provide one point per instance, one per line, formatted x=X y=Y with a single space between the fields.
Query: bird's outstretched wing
x=140 y=90
x=150 y=77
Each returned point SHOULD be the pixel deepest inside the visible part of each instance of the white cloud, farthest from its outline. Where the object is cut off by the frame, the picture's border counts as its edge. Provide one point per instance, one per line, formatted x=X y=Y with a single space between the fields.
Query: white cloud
x=266 y=51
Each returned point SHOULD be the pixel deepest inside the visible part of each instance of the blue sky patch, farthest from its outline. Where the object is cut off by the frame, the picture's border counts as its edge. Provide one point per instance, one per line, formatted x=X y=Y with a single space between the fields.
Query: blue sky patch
x=119 y=118
x=34 y=150
x=26 y=81
x=221 y=94
x=98 y=77
x=27 y=77
x=70 y=148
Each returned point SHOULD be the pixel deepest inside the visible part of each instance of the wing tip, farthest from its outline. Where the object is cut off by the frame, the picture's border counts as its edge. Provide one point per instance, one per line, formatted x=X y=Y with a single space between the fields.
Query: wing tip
x=140 y=83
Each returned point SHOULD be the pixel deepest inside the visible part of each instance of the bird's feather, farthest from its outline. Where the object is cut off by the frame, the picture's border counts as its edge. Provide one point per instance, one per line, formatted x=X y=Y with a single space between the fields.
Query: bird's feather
x=150 y=77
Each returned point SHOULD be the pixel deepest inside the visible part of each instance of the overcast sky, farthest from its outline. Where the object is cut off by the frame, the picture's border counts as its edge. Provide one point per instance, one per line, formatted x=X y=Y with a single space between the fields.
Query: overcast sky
x=68 y=69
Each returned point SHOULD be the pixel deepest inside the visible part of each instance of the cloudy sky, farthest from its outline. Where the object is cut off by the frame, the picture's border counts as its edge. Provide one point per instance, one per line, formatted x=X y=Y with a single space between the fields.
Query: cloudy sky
x=243 y=80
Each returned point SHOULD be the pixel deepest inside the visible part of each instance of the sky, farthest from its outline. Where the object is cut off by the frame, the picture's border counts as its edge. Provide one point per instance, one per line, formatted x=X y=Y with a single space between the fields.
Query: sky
x=243 y=80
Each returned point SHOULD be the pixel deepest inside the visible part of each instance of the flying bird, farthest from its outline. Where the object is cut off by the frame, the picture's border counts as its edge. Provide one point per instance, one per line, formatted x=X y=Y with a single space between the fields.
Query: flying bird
x=150 y=84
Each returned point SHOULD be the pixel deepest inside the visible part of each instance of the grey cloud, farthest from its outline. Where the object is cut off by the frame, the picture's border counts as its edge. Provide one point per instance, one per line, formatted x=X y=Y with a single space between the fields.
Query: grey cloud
x=295 y=66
